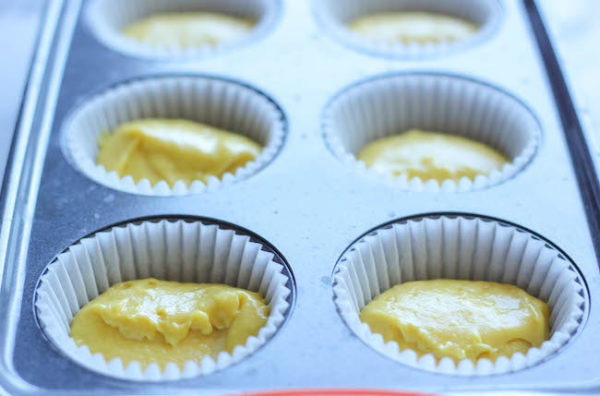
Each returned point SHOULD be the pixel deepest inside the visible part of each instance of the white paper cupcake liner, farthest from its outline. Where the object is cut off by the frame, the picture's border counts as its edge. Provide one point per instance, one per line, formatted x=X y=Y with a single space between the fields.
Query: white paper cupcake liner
x=107 y=18
x=459 y=247
x=217 y=102
x=170 y=250
x=392 y=104
x=335 y=15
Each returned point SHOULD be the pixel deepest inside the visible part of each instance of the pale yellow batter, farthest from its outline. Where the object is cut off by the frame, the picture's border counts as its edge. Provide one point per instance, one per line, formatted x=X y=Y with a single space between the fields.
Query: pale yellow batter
x=188 y=29
x=412 y=27
x=459 y=319
x=431 y=155
x=152 y=321
x=172 y=150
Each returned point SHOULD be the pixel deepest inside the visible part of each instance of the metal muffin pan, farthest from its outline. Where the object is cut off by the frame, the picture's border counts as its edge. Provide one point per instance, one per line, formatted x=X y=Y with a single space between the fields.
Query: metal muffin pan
x=306 y=203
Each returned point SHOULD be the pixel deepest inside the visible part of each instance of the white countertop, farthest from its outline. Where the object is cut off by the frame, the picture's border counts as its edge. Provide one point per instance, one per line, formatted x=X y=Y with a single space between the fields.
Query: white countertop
x=573 y=24
x=576 y=31
x=19 y=21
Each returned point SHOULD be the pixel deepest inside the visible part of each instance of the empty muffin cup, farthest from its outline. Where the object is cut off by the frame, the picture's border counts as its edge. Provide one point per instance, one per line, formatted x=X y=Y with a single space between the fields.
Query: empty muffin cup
x=392 y=104
x=216 y=102
x=176 y=250
x=336 y=16
x=459 y=247
x=108 y=18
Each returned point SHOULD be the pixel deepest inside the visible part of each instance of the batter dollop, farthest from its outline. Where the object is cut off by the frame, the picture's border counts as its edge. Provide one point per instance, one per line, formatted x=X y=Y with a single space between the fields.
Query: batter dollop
x=154 y=321
x=459 y=319
x=172 y=150
x=431 y=155
x=188 y=30
x=412 y=27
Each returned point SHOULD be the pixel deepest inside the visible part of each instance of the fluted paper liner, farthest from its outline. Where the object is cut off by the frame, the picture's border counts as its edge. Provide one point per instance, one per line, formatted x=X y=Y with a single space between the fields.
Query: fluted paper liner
x=335 y=15
x=392 y=104
x=170 y=250
x=107 y=19
x=458 y=247
x=220 y=103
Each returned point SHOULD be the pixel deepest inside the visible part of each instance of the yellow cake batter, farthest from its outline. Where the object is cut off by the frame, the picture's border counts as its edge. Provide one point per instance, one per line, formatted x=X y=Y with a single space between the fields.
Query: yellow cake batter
x=459 y=319
x=188 y=30
x=412 y=27
x=152 y=321
x=431 y=155
x=172 y=150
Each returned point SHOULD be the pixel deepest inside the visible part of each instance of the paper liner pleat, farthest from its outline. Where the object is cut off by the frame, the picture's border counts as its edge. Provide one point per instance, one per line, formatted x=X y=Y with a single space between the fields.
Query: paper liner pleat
x=107 y=19
x=467 y=248
x=335 y=15
x=216 y=102
x=392 y=104
x=169 y=250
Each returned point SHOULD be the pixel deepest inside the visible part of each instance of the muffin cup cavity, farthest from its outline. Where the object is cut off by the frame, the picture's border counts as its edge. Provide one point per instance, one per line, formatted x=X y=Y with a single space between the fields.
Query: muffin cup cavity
x=107 y=18
x=335 y=15
x=170 y=250
x=459 y=247
x=392 y=104
x=220 y=103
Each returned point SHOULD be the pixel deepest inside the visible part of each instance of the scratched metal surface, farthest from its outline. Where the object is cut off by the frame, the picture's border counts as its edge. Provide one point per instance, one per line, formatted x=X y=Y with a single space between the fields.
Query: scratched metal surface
x=306 y=203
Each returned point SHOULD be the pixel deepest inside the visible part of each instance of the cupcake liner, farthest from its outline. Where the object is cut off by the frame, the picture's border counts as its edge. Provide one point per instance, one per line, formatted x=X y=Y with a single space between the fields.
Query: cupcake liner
x=459 y=247
x=219 y=103
x=335 y=15
x=393 y=104
x=170 y=250
x=107 y=18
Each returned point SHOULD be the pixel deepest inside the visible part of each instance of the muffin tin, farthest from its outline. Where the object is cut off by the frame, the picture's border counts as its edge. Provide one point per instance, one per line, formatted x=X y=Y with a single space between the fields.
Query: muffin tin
x=307 y=206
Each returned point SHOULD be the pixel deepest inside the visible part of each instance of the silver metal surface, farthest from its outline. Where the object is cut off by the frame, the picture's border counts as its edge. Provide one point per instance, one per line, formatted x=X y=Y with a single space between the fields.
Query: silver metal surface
x=306 y=203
